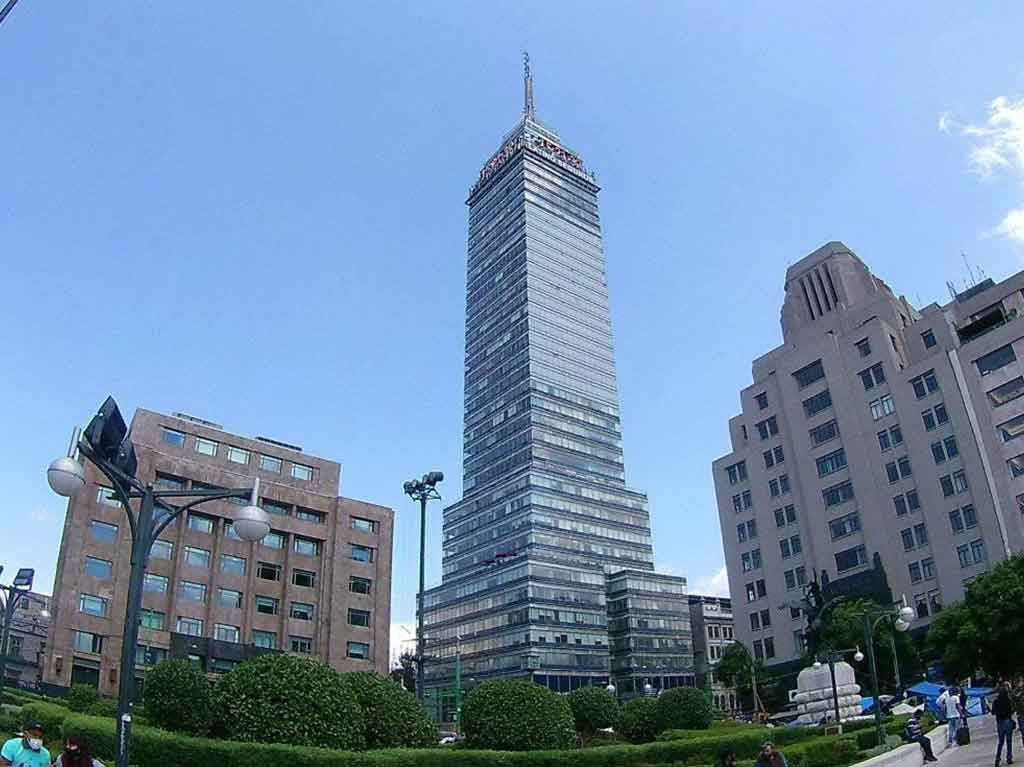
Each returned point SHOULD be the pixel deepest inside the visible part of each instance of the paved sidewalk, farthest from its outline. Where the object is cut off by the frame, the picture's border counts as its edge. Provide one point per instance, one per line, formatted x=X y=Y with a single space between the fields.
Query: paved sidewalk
x=982 y=750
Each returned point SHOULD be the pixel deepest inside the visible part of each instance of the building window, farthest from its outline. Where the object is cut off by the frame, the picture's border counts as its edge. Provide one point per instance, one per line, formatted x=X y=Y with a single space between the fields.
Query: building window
x=172 y=437
x=907 y=536
x=995 y=360
x=92 y=605
x=301 y=611
x=838 y=494
x=872 y=376
x=206 y=446
x=200 y=523
x=1007 y=392
x=882 y=407
x=890 y=438
x=790 y=577
x=978 y=551
x=358 y=617
x=273 y=540
x=864 y=347
x=820 y=401
x=737 y=472
x=954 y=483
x=267 y=605
x=274 y=507
x=229 y=598
x=152 y=619
x=190 y=590
x=271 y=464
x=758 y=649
x=306 y=546
x=746 y=530
x=945 y=450
x=914 y=568
x=168 y=482
x=929 y=339
x=265 y=639
x=821 y=434
x=751 y=560
x=360 y=650
x=925 y=384
x=154 y=584
x=225 y=633
x=98 y=568
x=785 y=516
x=755 y=621
x=761 y=400
x=768 y=428
x=898 y=469
x=801 y=575
x=149 y=656
x=86 y=641
x=928 y=568
x=308 y=515
x=935 y=416
x=105 y=496
x=304 y=578
x=300 y=645
x=851 y=558
x=197 y=557
x=304 y=473
x=844 y=525
x=920 y=534
x=784 y=548
x=831 y=462
x=1010 y=430
x=232 y=564
x=102 y=532
x=361 y=553
x=1016 y=465
x=161 y=549
x=192 y=627
x=769 y=459
x=238 y=455
x=359 y=585
x=808 y=374
x=268 y=571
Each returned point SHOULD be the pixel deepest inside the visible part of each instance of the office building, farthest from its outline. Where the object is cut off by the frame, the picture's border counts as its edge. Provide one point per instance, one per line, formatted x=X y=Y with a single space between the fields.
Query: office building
x=546 y=515
x=712 y=626
x=26 y=642
x=318 y=584
x=877 y=450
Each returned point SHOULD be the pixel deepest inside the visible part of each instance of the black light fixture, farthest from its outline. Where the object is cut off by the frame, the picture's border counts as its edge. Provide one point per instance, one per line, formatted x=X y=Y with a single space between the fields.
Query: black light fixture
x=422 y=490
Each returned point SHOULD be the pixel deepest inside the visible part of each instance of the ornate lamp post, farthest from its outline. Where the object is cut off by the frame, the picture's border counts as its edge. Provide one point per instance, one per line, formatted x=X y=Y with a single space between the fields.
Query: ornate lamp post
x=106 y=444
x=10 y=597
x=421 y=490
x=900 y=620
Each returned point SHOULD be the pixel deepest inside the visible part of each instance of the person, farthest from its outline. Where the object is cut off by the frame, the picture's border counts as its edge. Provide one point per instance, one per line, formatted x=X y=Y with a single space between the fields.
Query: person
x=941 y=703
x=76 y=754
x=1018 y=704
x=915 y=734
x=729 y=759
x=954 y=714
x=1003 y=711
x=769 y=757
x=27 y=750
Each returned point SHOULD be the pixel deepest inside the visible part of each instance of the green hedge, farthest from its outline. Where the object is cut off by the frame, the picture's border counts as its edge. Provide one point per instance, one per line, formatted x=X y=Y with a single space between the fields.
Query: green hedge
x=50 y=715
x=780 y=736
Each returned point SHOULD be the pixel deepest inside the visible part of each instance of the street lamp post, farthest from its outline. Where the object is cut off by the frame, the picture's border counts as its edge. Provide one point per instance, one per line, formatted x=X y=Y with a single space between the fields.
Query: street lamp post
x=901 y=622
x=10 y=597
x=421 y=490
x=106 y=443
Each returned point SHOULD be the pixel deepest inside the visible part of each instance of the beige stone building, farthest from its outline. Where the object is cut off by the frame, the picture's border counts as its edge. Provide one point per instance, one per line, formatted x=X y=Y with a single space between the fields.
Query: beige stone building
x=319 y=584
x=878 y=449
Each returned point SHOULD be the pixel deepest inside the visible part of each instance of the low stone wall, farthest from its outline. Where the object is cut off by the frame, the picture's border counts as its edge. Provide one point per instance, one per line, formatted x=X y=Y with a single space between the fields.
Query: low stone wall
x=910 y=754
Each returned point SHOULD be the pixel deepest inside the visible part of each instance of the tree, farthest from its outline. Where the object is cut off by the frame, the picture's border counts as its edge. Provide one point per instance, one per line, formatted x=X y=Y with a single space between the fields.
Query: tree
x=177 y=696
x=984 y=630
x=734 y=668
x=593 y=709
x=82 y=696
x=393 y=716
x=845 y=629
x=405 y=673
x=684 y=708
x=278 y=698
x=640 y=720
x=517 y=715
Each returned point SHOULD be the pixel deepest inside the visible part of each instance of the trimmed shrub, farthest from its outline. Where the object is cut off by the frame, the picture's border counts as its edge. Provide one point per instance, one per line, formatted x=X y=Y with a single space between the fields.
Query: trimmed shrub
x=517 y=715
x=640 y=720
x=593 y=709
x=47 y=714
x=683 y=708
x=82 y=696
x=279 y=698
x=178 y=697
x=393 y=716
x=105 y=707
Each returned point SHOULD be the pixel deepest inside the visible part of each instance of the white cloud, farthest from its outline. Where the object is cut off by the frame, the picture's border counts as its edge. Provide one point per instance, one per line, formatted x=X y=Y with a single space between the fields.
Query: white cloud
x=40 y=515
x=998 y=147
x=714 y=585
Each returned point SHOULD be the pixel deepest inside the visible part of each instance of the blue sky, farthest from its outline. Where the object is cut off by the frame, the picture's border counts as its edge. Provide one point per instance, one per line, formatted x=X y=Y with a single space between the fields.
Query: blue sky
x=254 y=212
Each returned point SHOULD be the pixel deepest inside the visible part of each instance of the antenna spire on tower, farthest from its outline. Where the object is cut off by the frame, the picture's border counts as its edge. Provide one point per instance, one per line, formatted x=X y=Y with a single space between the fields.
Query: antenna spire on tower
x=527 y=87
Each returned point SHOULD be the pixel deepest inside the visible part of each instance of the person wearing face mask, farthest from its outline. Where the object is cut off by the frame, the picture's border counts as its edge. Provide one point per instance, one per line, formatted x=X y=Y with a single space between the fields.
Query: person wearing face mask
x=26 y=751
x=76 y=754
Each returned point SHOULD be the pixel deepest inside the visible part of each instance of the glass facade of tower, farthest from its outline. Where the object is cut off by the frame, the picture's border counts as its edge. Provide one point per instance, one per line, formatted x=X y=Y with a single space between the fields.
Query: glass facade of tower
x=546 y=516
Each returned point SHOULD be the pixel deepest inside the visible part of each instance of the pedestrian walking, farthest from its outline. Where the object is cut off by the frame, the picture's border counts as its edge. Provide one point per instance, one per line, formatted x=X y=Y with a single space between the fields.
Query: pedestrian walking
x=1018 y=705
x=954 y=714
x=1003 y=711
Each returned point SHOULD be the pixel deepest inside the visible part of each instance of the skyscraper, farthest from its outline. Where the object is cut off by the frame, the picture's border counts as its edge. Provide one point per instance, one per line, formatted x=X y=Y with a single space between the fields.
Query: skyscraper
x=546 y=514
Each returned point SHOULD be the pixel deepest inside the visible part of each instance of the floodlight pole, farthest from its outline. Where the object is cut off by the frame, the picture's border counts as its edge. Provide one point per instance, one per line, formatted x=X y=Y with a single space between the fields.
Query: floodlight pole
x=8 y=604
x=422 y=490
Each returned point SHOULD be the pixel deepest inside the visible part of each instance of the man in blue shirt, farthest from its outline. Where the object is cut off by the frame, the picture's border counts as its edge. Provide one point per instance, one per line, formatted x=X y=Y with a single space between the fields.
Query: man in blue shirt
x=26 y=751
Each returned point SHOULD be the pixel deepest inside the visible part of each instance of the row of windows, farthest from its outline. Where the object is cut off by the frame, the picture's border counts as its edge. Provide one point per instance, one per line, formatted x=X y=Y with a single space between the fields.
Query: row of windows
x=89 y=642
x=234 y=454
